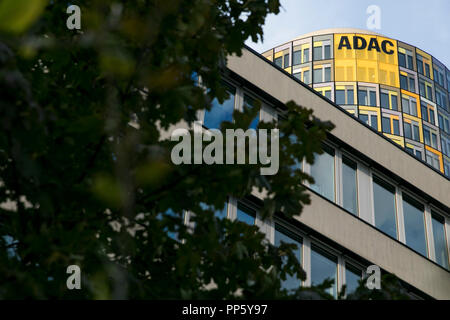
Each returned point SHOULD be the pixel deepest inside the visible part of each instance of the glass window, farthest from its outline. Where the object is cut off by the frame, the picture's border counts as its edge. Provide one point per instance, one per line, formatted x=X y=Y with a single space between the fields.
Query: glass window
x=434 y=140
x=364 y=118
x=278 y=61
x=424 y=113
x=413 y=109
x=306 y=77
x=249 y=102
x=386 y=124
x=394 y=102
x=422 y=89
x=409 y=150
x=298 y=75
x=297 y=57
x=413 y=213
x=429 y=93
x=419 y=154
x=403 y=82
x=427 y=70
x=305 y=55
x=327 y=51
x=445 y=150
x=402 y=59
x=286 y=60
x=408 y=132
x=327 y=74
x=350 y=193
x=416 y=135
x=440 y=241
x=298 y=162
x=350 y=96
x=432 y=116
x=345 y=96
x=412 y=85
x=245 y=214
x=323 y=173
x=432 y=159
x=373 y=98
x=328 y=94
x=317 y=53
x=352 y=278
x=441 y=121
x=318 y=75
x=362 y=97
x=384 y=99
x=444 y=146
x=396 y=125
x=438 y=98
x=427 y=136
x=323 y=266
x=220 y=112
x=340 y=97
x=410 y=62
x=448 y=81
x=384 y=205
x=374 y=121
x=367 y=97
x=419 y=63
x=284 y=235
x=405 y=104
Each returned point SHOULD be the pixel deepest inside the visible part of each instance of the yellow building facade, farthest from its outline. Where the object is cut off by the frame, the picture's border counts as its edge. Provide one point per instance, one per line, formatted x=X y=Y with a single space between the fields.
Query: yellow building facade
x=398 y=90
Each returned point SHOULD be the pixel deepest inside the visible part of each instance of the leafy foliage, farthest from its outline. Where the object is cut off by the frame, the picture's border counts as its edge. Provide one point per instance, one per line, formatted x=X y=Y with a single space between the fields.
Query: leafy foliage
x=81 y=185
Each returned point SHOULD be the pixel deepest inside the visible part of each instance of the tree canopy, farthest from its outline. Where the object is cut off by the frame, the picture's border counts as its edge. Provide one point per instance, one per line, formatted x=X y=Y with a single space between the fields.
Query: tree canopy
x=86 y=176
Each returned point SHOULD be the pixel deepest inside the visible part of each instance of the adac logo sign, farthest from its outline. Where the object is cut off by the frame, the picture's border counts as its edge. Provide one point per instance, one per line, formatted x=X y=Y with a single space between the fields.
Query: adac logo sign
x=359 y=43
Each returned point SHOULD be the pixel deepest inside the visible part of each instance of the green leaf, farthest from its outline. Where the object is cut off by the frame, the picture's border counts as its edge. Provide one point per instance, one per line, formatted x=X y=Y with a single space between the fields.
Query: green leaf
x=16 y=16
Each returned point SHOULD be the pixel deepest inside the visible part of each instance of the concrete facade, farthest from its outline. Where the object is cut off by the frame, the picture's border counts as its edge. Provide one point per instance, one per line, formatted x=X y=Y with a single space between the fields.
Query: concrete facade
x=358 y=234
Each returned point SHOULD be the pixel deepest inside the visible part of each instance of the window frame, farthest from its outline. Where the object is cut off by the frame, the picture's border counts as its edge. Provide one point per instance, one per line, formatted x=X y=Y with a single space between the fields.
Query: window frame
x=395 y=186
x=323 y=44
x=307 y=169
x=368 y=90
x=342 y=156
x=326 y=250
x=408 y=54
x=390 y=94
x=322 y=68
x=419 y=200
x=226 y=83
x=346 y=90
x=433 y=210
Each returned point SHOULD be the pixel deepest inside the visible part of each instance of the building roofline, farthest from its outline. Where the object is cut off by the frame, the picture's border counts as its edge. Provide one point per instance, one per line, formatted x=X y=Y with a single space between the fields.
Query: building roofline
x=336 y=30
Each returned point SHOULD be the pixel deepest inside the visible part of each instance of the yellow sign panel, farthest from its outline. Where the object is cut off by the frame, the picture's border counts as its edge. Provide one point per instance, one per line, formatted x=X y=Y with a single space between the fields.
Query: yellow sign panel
x=366 y=58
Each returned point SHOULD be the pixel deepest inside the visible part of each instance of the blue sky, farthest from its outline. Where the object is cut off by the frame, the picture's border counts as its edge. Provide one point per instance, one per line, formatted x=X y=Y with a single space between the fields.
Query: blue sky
x=424 y=24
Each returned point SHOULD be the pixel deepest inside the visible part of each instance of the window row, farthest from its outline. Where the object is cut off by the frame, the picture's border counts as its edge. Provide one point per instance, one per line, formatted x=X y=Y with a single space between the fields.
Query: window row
x=221 y=112
x=406 y=60
x=389 y=123
x=439 y=75
x=301 y=54
x=321 y=50
x=395 y=211
x=319 y=260
x=336 y=175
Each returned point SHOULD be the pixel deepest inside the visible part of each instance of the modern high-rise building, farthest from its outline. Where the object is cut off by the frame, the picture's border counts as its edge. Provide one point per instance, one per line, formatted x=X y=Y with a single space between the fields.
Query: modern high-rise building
x=399 y=90
x=372 y=203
